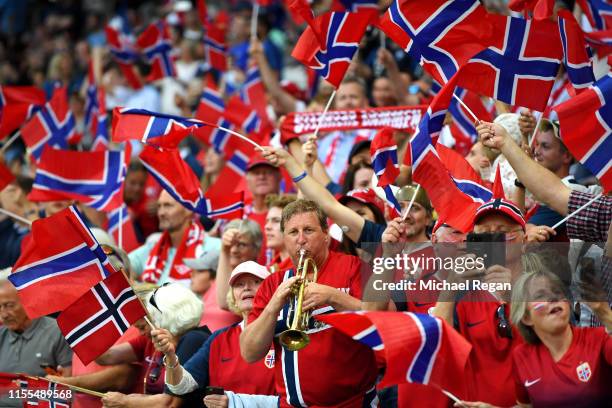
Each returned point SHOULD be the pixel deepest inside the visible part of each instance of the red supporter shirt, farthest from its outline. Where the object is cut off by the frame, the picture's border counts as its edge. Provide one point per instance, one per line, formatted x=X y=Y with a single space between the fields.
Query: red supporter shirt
x=152 y=370
x=227 y=368
x=333 y=370
x=581 y=378
x=489 y=366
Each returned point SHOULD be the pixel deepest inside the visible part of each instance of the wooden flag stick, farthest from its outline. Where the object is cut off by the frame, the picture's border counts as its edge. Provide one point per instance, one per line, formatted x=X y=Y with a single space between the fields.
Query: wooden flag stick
x=254 y=17
x=72 y=387
x=243 y=137
x=322 y=117
x=15 y=216
x=10 y=141
x=591 y=201
x=453 y=397
x=467 y=108
x=416 y=191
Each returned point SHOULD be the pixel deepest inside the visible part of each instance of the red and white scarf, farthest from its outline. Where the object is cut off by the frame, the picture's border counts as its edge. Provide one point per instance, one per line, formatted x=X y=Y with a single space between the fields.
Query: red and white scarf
x=156 y=263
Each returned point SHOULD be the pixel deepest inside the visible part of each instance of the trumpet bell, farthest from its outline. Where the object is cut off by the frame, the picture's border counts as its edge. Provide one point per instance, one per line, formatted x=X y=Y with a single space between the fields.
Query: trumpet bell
x=294 y=340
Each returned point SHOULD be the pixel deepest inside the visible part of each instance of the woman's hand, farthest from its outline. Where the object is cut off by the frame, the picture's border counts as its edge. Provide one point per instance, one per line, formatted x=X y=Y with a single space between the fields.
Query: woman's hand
x=216 y=401
x=164 y=343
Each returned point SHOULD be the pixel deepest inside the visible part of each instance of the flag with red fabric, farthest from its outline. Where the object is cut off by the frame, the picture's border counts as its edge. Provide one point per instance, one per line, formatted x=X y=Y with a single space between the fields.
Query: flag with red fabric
x=383 y=151
x=202 y=12
x=354 y=6
x=598 y=12
x=540 y=9
x=586 y=129
x=54 y=125
x=246 y=117
x=416 y=348
x=6 y=176
x=155 y=44
x=463 y=175
x=576 y=53
x=442 y=34
x=341 y=33
x=60 y=262
x=17 y=104
x=124 y=55
x=177 y=178
x=120 y=225
x=95 y=321
x=253 y=92
x=463 y=128
x=215 y=48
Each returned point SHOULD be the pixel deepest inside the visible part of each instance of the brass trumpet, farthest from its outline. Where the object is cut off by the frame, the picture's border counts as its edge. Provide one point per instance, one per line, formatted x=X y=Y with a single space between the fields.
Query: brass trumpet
x=295 y=337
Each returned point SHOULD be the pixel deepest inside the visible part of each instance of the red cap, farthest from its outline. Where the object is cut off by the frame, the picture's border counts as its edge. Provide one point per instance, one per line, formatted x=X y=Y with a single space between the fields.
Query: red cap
x=501 y=206
x=365 y=196
x=257 y=160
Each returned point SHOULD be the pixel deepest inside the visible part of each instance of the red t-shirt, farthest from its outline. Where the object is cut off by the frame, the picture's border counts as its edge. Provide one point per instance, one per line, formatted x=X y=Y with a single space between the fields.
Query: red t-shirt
x=278 y=265
x=333 y=370
x=489 y=367
x=152 y=370
x=227 y=368
x=581 y=378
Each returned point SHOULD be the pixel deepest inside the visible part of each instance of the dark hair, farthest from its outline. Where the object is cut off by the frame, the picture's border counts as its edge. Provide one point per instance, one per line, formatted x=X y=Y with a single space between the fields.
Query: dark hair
x=302 y=206
x=349 y=177
x=135 y=166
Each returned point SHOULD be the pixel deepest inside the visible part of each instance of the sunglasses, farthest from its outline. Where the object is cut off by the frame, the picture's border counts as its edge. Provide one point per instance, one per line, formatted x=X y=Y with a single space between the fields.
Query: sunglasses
x=504 y=328
x=152 y=298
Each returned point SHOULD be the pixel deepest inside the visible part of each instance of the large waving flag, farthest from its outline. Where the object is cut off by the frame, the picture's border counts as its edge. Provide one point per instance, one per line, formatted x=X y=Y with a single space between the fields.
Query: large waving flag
x=520 y=65
x=453 y=206
x=156 y=46
x=464 y=176
x=124 y=54
x=442 y=34
x=53 y=125
x=177 y=178
x=93 y=178
x=540 y=9
x=342 y=34
x=354 y=6
x=416 y=348
x=576 y=58
x=17 y=104
x=59 y=263
x=93 y=323
x=586 y=129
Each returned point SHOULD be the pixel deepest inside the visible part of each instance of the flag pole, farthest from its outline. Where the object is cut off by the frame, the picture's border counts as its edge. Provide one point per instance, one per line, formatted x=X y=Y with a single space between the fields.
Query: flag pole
x=466 y=108
x=15 y=216
x=121 y=228
x=254 y=17
x=322 y=117
x=10 y=141
x=453 y=397
x=585 y=205
x=535 y=131
x=72 y=387
x=416 y=191
x=243 y=137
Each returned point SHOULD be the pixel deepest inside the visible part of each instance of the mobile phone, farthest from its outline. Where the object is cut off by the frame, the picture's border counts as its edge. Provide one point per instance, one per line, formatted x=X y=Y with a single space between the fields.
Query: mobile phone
x=488 y=245
x=214 y=391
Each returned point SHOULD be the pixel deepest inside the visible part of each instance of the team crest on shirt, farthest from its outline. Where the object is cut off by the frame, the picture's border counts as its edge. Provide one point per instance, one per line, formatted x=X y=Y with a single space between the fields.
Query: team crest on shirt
x=584 y=372
x=269 y=360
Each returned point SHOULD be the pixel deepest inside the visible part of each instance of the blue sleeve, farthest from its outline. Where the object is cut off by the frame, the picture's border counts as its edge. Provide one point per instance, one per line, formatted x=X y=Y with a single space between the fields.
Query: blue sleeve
x=334 y=188
x=198 y=364
x=371 y=232
x=190 y=343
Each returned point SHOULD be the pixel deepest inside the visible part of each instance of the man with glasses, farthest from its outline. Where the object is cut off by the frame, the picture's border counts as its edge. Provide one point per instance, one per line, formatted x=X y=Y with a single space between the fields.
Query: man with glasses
x=482 y=317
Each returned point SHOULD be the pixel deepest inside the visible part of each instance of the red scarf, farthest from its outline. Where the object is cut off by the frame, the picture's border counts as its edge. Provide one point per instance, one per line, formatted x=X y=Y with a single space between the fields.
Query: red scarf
x=192 y=239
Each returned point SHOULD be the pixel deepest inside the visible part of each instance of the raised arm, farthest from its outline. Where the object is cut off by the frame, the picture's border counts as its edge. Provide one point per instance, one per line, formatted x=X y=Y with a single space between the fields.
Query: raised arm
x=224 y=268
x=544 y=184
x=342 y=215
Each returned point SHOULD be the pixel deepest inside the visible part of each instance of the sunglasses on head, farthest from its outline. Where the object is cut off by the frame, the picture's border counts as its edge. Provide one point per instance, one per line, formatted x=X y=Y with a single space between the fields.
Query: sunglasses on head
x=504 y=328
x=152 y=298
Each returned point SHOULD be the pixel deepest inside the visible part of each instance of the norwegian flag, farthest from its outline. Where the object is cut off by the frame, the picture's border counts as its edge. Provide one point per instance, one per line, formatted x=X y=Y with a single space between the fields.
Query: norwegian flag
x=253 y=92
x=144 y=125
x=245 y=117
x=383 y=150
x=463 y=128
x=561 y=92
x=93 y=178
x=540 y=9
x=354 y=6
x=156 y=46
x=177 y=178
x=101 y=138
x=449 y=201
x=586 y=129
x=124 y=54
x=91 y=100
x=59 y=263
x=202 y=11
x=600 y=41
x=210 y=109
x=53 y=125
x=300 y=11
x=17 y=104
x=120 y=222
x=100 y=316
x=576 y=58
x=6 y=176
x=342 y=33
x=238 y=162
x=463 y=175
x=442 y=34
x=432 y=352
x=520 y=65
x=215 y=49
x=598 y=12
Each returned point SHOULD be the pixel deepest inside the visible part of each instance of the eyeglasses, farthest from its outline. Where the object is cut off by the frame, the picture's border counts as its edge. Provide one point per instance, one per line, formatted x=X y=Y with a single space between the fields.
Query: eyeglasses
x=504 y=328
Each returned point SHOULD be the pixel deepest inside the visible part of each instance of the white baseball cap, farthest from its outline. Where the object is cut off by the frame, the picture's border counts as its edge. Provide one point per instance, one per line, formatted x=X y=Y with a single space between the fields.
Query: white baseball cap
x=249 y=267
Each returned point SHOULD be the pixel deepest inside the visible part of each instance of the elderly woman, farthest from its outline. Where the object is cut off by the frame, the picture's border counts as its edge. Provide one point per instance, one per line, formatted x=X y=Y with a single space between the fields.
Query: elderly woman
x=177 y=310
x=219 y=363
x=241 y=241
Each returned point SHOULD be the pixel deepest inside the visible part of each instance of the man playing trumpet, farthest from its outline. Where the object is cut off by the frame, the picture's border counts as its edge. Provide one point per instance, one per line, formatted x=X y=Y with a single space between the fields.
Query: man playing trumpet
x=332 y=370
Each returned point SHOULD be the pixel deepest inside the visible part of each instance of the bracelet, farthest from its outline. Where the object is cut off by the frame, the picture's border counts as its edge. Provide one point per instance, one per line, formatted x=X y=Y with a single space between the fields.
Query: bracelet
x=300 y=177
x=170 y=366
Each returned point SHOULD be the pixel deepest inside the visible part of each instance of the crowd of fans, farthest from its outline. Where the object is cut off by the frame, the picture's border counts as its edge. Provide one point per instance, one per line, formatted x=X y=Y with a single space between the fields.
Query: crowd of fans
x=218 y=290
